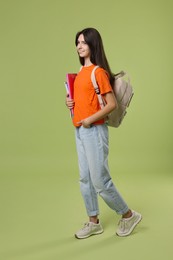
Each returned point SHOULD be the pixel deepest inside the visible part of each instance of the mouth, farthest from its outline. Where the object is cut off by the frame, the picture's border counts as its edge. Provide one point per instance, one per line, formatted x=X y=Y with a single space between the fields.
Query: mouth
x=81 y=53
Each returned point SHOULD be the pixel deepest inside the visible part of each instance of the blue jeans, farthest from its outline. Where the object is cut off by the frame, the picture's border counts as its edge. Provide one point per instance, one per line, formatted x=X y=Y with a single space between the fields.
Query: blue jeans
x=93 y=149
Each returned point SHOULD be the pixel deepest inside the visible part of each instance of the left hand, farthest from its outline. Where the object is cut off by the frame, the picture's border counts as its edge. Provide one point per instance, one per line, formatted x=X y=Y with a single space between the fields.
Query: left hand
x=85 y=123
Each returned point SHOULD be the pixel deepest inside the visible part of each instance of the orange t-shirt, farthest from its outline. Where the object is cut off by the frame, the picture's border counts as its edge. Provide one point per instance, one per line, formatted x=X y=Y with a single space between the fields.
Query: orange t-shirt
x=85 y=98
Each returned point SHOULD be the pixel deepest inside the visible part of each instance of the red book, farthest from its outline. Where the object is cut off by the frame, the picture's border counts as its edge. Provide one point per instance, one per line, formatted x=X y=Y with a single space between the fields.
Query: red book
x=70 y=78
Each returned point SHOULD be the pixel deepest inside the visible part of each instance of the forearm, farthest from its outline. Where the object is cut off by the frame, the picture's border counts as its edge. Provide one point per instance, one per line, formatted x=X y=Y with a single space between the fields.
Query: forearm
x=103 y=113
x=111 y=104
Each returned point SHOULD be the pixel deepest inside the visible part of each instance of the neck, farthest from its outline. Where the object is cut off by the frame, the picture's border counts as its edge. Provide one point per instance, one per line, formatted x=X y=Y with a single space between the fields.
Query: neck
x=87 y=62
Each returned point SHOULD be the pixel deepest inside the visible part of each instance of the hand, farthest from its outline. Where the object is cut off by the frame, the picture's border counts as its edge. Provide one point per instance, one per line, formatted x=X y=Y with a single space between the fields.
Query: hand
x=85 y=123
x=69 y=102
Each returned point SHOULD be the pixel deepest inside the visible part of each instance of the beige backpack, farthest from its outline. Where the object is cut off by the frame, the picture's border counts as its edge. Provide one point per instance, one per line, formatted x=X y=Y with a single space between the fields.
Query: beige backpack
x=123 y=92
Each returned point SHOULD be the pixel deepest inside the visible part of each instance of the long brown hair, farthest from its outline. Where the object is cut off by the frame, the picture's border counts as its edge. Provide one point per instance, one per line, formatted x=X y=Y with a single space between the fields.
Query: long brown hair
x=98 y=57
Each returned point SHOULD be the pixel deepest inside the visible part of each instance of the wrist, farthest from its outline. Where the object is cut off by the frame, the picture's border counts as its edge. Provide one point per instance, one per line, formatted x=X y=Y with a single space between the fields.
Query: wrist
x=87 y=123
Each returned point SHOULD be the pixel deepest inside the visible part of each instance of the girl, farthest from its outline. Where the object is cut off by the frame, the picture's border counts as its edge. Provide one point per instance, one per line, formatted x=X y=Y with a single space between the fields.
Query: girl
x=92 y=136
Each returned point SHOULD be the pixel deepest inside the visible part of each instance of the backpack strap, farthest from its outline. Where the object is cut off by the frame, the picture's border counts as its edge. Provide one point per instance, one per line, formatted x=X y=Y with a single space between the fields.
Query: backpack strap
x=96 y=87
x=119 y=75
x=93 y=79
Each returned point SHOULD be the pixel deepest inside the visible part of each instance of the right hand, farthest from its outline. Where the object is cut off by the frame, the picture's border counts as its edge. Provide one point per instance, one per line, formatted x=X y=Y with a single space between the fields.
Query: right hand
x=69 y=102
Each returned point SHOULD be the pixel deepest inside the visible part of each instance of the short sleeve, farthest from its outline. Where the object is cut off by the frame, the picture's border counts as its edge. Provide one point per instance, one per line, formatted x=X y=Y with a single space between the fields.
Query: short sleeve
x=102 y=79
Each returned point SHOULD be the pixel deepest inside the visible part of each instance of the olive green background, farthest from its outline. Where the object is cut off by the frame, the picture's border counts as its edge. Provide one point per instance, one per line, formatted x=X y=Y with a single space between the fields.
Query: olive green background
x=40 y=201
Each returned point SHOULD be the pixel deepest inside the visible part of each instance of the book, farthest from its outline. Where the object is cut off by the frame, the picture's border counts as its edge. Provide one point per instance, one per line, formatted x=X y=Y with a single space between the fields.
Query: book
x=69 y=85
x=70 y=78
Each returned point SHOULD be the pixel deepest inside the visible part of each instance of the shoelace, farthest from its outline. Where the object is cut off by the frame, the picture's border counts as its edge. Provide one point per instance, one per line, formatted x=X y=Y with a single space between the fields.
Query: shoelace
x=122 y=224
x=85 y=225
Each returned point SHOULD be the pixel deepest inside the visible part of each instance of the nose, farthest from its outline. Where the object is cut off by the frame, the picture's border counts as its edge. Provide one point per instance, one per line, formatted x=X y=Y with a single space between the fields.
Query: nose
x=79 y=45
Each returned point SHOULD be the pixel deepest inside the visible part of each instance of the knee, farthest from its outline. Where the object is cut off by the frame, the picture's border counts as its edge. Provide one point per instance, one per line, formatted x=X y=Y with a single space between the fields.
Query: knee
x=84 y=181
x=102 y=185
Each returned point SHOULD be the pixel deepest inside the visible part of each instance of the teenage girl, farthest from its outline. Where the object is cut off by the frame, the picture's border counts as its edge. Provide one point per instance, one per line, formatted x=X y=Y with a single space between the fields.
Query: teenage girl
x=91 y=133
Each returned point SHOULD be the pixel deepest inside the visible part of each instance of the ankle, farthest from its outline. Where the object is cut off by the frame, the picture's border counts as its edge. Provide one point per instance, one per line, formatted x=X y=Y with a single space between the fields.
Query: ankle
x=94 y=219
x=128 y=214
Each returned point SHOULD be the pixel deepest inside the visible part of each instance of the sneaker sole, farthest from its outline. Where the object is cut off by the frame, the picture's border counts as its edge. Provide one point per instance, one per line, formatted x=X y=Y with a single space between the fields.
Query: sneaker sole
x=132 y=228
x=95 y=233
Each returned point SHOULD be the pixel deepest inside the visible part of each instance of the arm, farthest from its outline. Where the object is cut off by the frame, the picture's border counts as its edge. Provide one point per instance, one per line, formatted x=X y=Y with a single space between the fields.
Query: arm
x=111 y=104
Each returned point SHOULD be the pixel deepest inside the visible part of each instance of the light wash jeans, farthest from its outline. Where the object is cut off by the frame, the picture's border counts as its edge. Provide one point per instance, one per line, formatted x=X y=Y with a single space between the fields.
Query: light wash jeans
x=93 y=149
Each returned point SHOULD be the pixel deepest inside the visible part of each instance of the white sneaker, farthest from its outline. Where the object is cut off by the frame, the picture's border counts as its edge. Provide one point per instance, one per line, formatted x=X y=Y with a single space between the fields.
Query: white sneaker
x=126 y=225
x=89 y=229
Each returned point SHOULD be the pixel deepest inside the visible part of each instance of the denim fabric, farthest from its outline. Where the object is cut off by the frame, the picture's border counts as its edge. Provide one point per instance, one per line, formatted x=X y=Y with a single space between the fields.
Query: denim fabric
x=92 y=148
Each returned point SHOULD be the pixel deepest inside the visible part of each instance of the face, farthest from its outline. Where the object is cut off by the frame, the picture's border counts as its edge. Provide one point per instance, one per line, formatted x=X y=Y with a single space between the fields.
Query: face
x=82 y=47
